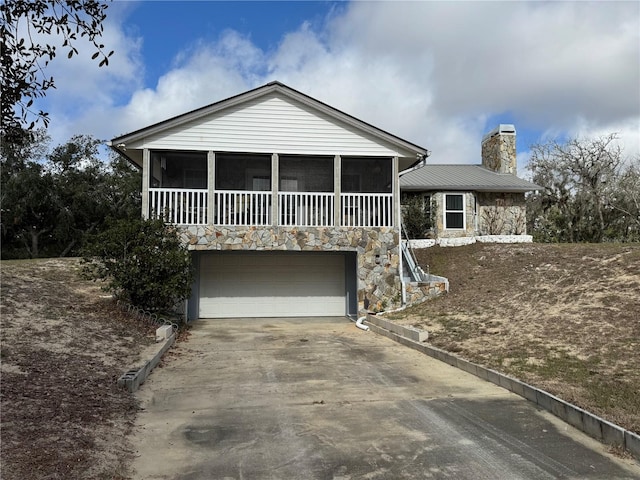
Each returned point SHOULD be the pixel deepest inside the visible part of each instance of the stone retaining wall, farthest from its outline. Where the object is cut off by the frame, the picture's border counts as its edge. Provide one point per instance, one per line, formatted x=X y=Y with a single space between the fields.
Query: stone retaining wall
x=457 y=242
x=418 y=292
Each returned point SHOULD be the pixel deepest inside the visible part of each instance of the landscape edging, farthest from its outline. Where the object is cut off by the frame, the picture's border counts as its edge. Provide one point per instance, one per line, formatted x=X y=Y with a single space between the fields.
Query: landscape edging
x=133 y=378
x=594 y=426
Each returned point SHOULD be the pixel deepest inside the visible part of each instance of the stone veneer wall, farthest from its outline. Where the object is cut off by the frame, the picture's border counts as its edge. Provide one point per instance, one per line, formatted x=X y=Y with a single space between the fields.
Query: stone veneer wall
x=501 y=213
x=470 y=221
x=499 y=153
x=377 y=251
x=418 y=292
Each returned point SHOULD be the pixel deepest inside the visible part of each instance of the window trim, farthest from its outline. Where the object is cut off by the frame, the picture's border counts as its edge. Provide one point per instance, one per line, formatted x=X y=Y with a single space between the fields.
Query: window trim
x=463 y=211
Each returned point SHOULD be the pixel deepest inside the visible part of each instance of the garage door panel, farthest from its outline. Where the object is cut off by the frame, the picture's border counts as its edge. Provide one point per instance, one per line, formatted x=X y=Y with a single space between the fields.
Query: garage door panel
x=272 y=284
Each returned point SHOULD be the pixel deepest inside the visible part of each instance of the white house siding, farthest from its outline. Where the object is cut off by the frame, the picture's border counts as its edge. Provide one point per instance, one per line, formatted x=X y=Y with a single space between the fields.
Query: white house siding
x=269 y=124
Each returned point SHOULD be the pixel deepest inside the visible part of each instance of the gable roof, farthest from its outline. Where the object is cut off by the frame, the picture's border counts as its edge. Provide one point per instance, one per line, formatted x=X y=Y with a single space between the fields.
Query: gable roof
x=462 y=178
x=119 y=143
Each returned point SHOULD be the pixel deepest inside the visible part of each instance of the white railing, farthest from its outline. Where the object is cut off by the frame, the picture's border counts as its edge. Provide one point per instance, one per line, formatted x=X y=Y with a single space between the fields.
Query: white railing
x=235 y=207
x=178 y=206
x=306 y=209
x=366 y=209
x=253 y=208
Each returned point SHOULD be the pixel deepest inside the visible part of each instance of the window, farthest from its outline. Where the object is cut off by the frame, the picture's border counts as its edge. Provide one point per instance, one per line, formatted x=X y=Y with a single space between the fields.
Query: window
x=454 y=211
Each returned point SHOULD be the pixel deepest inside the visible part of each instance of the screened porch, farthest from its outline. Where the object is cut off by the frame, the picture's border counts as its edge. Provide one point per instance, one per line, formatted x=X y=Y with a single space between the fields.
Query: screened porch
x=234 y=189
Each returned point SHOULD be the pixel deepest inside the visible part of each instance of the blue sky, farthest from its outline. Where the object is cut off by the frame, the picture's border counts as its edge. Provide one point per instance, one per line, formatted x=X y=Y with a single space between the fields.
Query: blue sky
x=169 y=28
x=439 y=74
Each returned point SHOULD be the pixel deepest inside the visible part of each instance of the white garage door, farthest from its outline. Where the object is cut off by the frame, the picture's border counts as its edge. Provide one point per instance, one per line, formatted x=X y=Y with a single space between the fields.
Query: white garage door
x=272 y=284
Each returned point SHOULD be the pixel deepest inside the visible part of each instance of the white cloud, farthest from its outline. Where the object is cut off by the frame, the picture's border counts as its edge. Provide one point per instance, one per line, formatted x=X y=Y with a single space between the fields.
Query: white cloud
x=432 y=72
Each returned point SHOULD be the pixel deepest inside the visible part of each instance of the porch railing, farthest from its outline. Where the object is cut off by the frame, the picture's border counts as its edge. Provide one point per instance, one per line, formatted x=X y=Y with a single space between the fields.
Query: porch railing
x=253 y=208
x=233 y=207
x=306 y=209
x=178 y=206
x=366 y=209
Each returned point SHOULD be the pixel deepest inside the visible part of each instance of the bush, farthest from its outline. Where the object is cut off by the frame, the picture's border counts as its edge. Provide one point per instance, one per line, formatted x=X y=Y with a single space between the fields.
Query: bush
x=142 y=262
x=417 y=215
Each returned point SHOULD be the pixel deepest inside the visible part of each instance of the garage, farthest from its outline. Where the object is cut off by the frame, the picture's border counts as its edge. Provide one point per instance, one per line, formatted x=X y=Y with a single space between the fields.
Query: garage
x=272 y=284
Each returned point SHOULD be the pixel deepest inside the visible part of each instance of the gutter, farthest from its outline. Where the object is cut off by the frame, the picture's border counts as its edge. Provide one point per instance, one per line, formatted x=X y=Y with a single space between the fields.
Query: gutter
x=121 y=149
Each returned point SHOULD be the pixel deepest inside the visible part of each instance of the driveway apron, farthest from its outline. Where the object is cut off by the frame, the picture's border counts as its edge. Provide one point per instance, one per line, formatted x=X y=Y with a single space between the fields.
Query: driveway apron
x=317 y=398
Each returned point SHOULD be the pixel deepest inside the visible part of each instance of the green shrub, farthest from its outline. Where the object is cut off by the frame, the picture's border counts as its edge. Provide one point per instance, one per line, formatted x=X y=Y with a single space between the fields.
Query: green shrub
x=142 y=262
x=417 y=215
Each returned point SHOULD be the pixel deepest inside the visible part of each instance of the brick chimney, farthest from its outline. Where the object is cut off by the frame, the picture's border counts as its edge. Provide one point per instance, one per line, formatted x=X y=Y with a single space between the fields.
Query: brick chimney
x=499 y=149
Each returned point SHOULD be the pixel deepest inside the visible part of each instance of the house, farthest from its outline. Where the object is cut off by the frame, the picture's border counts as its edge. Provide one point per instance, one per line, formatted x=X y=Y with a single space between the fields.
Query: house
x=473 y=200
x=289 y=206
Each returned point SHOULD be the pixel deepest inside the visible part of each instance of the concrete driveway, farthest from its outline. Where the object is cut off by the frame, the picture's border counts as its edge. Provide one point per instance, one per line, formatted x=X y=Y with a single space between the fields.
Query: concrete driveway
x=316 y=398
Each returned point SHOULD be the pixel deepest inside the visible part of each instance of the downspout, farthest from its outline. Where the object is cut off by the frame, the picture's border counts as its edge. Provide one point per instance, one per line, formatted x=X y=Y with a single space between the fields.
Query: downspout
x=398 y=224
x=360 y=325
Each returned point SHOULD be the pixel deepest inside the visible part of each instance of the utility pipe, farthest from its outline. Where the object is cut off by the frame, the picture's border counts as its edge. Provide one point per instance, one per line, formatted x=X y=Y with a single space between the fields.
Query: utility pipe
x=360 y=325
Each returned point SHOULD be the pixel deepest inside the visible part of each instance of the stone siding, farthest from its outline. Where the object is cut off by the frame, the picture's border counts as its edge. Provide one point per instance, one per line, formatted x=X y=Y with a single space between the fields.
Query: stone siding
x=469 y=221
x=378 y=257
x=486 y=213
x=501 y=213
x=418 y=292
x=499 y=153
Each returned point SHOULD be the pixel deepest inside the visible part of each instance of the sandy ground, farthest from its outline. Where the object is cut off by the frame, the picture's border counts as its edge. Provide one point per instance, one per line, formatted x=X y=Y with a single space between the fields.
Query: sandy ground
x=63 y=346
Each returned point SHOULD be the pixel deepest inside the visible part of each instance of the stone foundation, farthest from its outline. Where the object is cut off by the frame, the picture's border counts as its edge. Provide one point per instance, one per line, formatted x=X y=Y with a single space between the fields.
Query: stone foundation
x=377 y=251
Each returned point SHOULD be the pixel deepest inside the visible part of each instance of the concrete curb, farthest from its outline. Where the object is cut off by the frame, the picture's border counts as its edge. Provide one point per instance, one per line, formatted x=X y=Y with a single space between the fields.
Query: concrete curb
x=132 y=379
x=408 y=332
x=594 y=426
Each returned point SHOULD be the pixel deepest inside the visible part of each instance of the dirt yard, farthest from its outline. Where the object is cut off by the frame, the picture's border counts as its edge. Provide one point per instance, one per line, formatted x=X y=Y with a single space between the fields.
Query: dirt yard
x=63 y=346
x=565 y=318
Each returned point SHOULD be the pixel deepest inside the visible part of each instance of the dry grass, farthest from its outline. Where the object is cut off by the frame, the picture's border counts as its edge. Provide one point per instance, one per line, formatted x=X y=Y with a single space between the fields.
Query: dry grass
x=565 y=318
x=63 y=346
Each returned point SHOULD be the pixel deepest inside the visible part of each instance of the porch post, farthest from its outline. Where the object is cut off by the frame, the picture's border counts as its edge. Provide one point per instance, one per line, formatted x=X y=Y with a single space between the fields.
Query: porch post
x=146 y=172
x=211 y=184
x=337 y=185
x=275 y=176
x=395 y=189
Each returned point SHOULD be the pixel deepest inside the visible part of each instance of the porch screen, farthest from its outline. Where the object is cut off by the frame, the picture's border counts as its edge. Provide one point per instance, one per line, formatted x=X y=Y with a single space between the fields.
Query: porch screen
x=240 y=171
x=366 y=175
x=178 y=170
x=299 y=173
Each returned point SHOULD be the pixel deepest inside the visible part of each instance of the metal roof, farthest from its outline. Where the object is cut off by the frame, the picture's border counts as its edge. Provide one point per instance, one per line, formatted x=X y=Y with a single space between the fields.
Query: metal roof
x=462 y=178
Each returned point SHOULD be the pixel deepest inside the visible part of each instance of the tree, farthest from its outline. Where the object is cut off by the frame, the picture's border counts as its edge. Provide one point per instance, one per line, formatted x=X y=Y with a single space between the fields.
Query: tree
x=52 y=201
x=29 y=209
x=25 y=196
x=417 y=215
x=24 y=54
x=626 y=202
x=143 y=262
x=583 y=185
